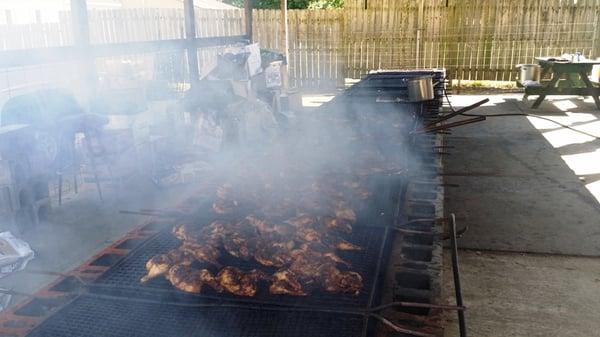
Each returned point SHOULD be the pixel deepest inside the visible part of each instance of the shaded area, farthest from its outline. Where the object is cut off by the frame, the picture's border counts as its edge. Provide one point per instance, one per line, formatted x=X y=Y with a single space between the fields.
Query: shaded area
x=510 y=294
x=519 y=189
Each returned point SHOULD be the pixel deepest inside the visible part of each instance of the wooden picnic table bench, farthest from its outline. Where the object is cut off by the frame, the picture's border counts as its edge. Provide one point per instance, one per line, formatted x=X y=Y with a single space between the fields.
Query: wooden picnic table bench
x=568 y=78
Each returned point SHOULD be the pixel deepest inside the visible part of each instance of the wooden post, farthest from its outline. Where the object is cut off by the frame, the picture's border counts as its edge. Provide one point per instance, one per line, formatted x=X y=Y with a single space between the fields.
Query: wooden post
x=8 y=15
x=284 y=43
x=81 y=39
x=248 y=17
x=419 y=32
x=190 y=35
x=81 y=29
x=596 y=36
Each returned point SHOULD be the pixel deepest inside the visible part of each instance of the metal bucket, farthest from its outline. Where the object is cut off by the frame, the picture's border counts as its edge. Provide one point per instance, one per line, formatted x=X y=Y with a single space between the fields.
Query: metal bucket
x=420 y=89
x=529 y=72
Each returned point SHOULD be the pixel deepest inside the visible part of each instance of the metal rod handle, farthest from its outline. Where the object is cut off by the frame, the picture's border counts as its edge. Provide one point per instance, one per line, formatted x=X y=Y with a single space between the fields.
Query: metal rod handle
x=456 y=274
x=397 y=328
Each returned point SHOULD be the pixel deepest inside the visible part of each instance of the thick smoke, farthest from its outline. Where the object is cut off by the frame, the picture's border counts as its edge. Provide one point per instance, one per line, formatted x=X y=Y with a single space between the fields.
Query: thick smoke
x=298 y=161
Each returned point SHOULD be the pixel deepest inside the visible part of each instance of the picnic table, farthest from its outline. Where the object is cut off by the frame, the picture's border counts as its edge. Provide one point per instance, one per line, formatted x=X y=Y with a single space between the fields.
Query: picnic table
x=568 y=78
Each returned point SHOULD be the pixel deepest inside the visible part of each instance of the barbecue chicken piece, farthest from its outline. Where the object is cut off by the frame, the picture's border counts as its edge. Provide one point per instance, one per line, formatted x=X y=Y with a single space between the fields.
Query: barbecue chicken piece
x=160 y=264
x=324 y=251
x=239 y=282
x=267 y=228
x=286 y=282
x=188 y=232
x=302 y=220
x=339 y=243
x=225 y=206
x=215 y=232
x=239 y=246
x=191 y=280
x=307 y=266
x=344 y=212
x=336 y=281
x=336 y=224
x=308 y=234
x=202 y=252
x=273 y=254
x=260 y=224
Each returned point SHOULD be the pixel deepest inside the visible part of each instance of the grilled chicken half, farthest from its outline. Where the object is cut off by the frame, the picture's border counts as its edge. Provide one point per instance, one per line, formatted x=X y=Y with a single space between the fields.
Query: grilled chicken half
x=239 y=282
x=206 y=252
x=188 y=279
x=336 y=281
x=160 y=264
x=285 y=282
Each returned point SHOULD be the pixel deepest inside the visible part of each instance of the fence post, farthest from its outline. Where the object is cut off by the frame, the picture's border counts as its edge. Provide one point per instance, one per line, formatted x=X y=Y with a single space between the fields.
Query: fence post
x=284 y=45
x=596 y=38
x=190 y=35
x=419 y=31
x=248 y=18
x=8 y=16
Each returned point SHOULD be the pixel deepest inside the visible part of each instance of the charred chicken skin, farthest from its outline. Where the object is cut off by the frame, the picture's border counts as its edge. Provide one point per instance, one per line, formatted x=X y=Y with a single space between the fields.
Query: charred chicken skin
x=336 y=224
x=206 y=253
x=239 y=282
x=285 y=282
x=336 y=281
x=188 y=279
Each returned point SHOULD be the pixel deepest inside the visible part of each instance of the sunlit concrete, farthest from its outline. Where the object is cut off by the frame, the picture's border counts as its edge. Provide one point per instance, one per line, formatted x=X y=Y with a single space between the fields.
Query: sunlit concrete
x=315 y=100
x=527 y=185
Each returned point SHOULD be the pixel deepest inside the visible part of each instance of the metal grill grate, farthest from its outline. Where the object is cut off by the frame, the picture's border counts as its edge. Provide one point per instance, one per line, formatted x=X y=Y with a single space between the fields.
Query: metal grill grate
x=123 y=278
x=92 y=317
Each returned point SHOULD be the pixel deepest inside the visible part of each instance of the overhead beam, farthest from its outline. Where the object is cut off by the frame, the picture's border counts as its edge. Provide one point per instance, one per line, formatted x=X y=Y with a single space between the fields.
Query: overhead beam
x=28 y=57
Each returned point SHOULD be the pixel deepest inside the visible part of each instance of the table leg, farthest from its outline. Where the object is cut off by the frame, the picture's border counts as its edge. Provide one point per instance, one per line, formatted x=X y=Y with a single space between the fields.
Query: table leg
x=589 y=84
x=551 y=84
x=538 y=101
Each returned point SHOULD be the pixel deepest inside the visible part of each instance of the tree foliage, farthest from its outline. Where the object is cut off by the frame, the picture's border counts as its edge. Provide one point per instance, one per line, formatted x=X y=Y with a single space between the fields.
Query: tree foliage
x=292 y=4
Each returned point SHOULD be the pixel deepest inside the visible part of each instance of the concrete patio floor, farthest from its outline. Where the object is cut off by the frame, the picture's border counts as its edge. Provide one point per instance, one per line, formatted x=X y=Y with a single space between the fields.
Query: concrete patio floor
x=529 y=192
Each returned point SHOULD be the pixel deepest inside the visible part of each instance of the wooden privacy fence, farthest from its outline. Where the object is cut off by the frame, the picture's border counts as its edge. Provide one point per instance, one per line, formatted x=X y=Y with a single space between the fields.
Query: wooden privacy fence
x=472 y=39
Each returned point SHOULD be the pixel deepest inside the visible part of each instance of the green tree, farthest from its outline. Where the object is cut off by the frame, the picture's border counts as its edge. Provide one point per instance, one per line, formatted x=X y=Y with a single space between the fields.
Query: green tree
x=292 y=4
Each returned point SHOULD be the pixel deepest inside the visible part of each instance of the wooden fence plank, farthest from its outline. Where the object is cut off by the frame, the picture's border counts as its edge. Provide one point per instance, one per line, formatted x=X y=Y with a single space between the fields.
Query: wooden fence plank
x=473 y=39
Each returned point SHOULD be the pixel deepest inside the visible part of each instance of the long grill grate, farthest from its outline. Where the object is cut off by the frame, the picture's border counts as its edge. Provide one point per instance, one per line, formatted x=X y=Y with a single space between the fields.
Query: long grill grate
x=123 y=279
x=92 y=317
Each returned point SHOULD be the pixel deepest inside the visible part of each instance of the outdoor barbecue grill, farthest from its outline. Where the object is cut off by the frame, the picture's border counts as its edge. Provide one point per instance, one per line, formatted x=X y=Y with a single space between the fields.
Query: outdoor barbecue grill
x=400 y=261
